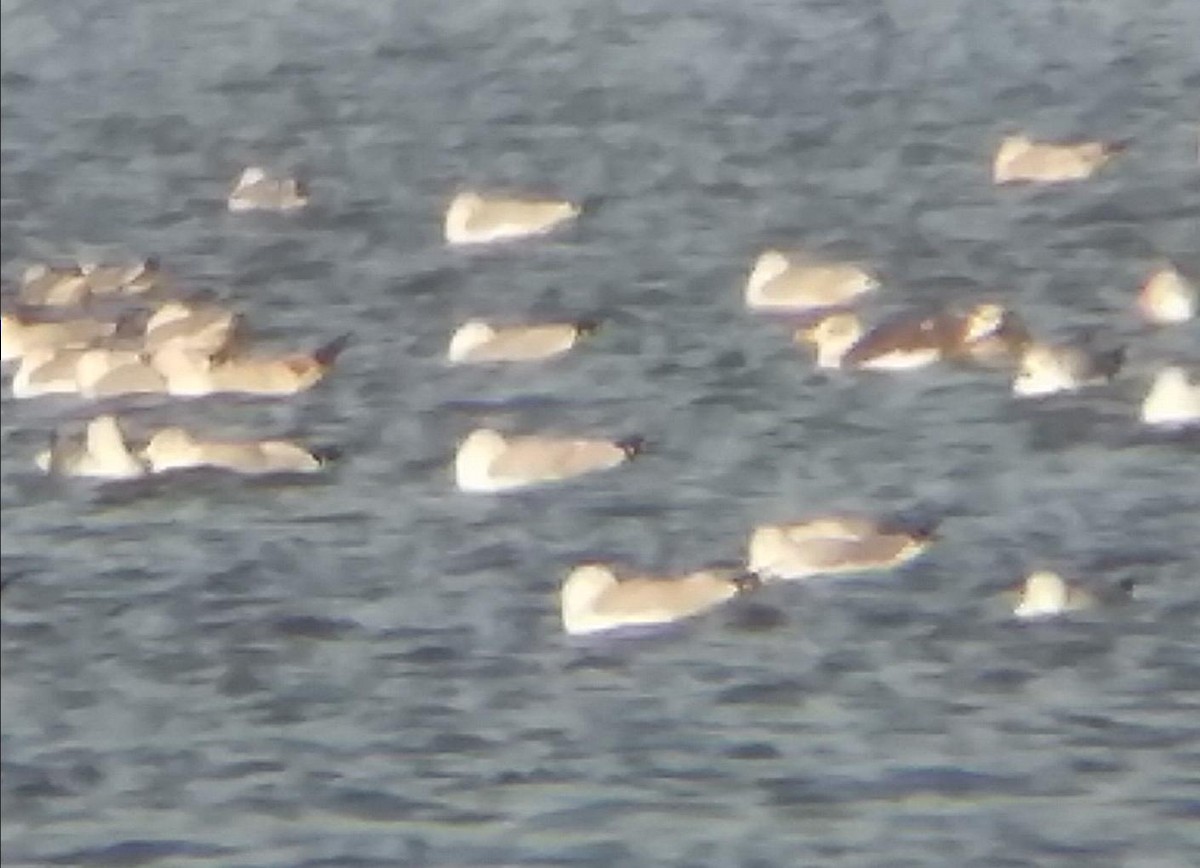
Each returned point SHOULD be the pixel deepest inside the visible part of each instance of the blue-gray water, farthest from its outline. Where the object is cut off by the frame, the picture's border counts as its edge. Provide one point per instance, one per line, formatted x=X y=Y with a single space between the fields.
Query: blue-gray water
x=370 y=670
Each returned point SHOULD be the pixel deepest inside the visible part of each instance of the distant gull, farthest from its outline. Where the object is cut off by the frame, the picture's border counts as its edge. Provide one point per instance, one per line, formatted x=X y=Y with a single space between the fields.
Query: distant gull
x=103 y=453
x=1045 y=594
x=190 y=373
x=987 y=333
x=831 y=545
x=594 y=599
x=130 y=278
x=1049 y=368
x=255 y=190
x=472 y=218
x=176 y=449
x=1021 y=159
x=72 y=285
x=19 y=336
x=196 y=326
x=488 y=461
x=1173 y=401
x=53 y=286
x=480 y=341
x=801 y=282
x=1167 y=297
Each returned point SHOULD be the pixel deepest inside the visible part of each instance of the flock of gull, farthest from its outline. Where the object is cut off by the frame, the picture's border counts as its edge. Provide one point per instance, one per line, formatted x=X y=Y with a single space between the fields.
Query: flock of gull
x=139 y=338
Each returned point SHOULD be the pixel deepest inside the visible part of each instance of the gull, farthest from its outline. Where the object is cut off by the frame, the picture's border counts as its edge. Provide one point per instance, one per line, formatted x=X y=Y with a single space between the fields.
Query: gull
x=594 y=599
x=19 y=336
x=1167 y=297
x=1049 y=368
x=176 y=449
x=985 y=333
x=480 y=341
x=103 y=453
x=255 y=190
x=472 y=218
x=1021 y=159
x=801 y=282
x=1173 y=401
x=487 y=461
x=830 y=545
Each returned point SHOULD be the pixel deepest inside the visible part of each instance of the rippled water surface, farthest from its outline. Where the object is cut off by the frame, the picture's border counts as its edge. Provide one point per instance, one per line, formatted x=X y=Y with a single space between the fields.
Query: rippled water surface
x=370 y=670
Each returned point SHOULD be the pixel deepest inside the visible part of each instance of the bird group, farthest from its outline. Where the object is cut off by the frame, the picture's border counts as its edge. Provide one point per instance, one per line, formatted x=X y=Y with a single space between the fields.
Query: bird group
x=107 y=331
x=822 y=294
x=191 y=348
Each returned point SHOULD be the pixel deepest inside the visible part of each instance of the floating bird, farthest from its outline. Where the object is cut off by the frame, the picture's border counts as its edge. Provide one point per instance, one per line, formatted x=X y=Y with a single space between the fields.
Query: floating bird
x=1049 y=368
x=176 y=449
x=96 y=364
x=132 y=278
x=47 y=371
x=20 y=336
x=487 y=461
x=54 y=286
x=593 y=599
x=837 y=544
x=479 y=341
x=190 y=373
x=986 y=333
x=72 y=285
x=196 y=327
x=1020 y=158
x=1167 y=297
x=129 y=373
x=802 y=283
x=256 y=191
x=68 y=371
x=103 y=453
x=1173 y=401
x=474 y=219
x=906 y=342
x=1045 y=595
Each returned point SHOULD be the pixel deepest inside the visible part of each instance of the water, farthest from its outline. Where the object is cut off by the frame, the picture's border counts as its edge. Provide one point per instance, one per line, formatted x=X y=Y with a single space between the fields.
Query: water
x=369 y=669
